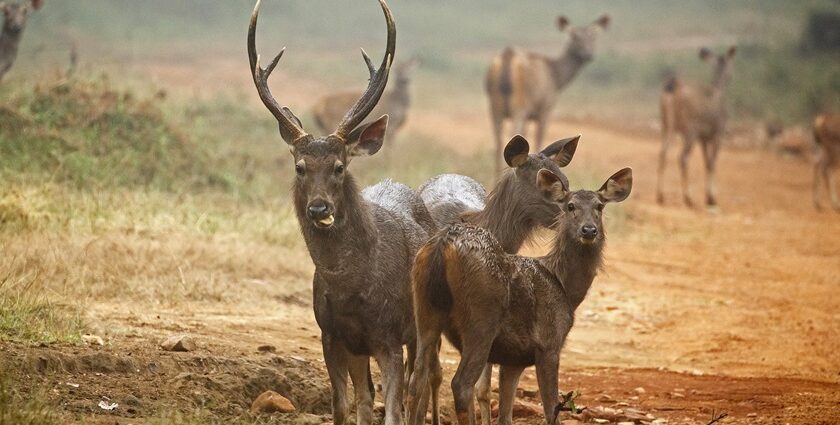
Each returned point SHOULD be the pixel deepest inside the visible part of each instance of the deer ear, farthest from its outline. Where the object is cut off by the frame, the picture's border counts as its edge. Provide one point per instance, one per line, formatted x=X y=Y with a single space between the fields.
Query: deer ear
x=705 y=54
x=562 y=151
x=562 y=23
x=551 y=185
x=731 y=52
x=603 y=21
x=516 y=151
x=617 y=187
x=367 y=139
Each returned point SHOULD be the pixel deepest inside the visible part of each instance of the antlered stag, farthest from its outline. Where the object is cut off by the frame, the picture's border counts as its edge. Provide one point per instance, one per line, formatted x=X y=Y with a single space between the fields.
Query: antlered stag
x=523 y=86
x=827 y=138
x=512 y=211
x=697 y=112
x=15 y=17
x=395 y=102
x=361 y=242
x=507 y=309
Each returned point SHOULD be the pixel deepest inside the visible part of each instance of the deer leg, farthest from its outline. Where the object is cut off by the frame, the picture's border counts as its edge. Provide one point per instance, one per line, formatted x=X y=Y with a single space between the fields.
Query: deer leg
x=473 y=360
x=437 y=378
x=498 y=123
x=426 y=363
x=667 y=137
x=482 y=389
x=335 y=358
x=818 y=169
x=391 y=365
x=546 y=365
x=710 y=152
x=359 y=367
x=539 y=134
x=832 y=192
x=508 y=380
x=688 y=143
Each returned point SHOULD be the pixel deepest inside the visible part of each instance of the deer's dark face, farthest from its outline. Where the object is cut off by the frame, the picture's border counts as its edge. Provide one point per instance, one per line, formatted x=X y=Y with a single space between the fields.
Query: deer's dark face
x=321 y=177
x=581 y=217
x=15 y=17
x=526 y=166
x=721 y=64
x=582 y=39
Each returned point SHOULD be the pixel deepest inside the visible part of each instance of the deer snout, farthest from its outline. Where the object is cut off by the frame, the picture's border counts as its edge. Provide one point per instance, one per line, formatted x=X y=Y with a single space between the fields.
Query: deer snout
x=589 y=231
x=321 y=212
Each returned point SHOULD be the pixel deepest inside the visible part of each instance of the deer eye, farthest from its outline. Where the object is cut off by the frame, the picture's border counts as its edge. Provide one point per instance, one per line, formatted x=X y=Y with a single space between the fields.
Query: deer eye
x=600 y=207
x=300 y=169
x=339 y=169
x=570 y=206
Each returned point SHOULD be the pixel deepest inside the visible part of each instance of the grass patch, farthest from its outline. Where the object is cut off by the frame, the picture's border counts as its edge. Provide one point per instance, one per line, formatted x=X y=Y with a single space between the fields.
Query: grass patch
x=26 y=315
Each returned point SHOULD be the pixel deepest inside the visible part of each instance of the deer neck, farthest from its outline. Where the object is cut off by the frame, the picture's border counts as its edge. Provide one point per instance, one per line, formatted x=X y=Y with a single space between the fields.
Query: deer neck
x=566 y=67
x=339 y=250
x=505 y=216
x=574 y=265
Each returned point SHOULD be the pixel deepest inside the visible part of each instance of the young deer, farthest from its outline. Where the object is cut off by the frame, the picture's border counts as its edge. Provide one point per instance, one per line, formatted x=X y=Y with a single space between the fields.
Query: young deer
x=15 y=16
x=362 y=243
x=395 y=102
x=507 y=309
x=511 y=213
x=697 y=112
x=523 y=86
x=827 y=137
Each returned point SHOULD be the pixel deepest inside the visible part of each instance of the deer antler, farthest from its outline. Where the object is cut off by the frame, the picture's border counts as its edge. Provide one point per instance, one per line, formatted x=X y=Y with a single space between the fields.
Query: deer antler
x=378 y=80
x=290 y=128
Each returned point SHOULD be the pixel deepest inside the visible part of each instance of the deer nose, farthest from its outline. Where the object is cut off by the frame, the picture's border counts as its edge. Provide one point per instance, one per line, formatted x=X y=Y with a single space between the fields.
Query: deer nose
x=589 y=231
x=317 y=209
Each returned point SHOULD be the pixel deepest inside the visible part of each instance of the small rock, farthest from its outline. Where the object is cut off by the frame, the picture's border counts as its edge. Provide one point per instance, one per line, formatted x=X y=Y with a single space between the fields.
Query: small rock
x=600 y=421
x=526 y=409
x=267 y=348
x=639 y=390
x=92 y=339
x=270 y=402
x=752 y=415
x=605 y=398
x=626 y=423
x=659 y=422
x=178 y=343
x=677 y=395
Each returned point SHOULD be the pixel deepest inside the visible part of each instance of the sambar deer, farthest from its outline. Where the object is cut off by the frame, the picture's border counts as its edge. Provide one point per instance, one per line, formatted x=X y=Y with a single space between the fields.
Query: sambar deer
x=523 y=86
x=395 y=102
x=827 y=138
x=361 y=242
x=512 y=211
x=15 y=17
x=506 y=309
x=697 y=112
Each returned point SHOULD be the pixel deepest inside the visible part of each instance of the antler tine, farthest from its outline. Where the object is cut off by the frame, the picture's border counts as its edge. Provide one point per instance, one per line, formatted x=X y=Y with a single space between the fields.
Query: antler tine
x=288 y=128
x=377 y=83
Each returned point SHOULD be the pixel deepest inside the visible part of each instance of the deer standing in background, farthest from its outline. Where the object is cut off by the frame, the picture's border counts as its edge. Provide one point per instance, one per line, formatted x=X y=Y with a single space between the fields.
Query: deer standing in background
x=15 y=16
x=827 y=138
x=396 y=102
x=697 y=112
x=512 y=211
x=507 y=309
x=523 y=86
x=361 y=242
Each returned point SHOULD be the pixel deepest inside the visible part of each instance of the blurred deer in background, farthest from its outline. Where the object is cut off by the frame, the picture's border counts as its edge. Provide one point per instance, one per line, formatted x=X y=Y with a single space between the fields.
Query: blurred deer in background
x=396 y=102
x=15 y=17
x=697 y=112
x=827 y=138
x=361 y=242
x=512 y=211
x=523 y=86
x=506 y=309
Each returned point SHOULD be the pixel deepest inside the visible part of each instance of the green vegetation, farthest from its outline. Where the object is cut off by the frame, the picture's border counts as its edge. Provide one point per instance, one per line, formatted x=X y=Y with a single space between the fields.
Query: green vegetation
x=23 y=409
x=26 y=315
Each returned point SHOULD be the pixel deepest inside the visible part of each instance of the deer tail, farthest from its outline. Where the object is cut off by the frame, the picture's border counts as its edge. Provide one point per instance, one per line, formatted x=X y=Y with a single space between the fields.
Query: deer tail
x=431 y=285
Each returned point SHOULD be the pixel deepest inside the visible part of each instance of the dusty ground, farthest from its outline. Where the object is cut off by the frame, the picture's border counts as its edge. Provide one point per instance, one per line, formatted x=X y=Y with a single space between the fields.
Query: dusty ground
x=733 y=311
